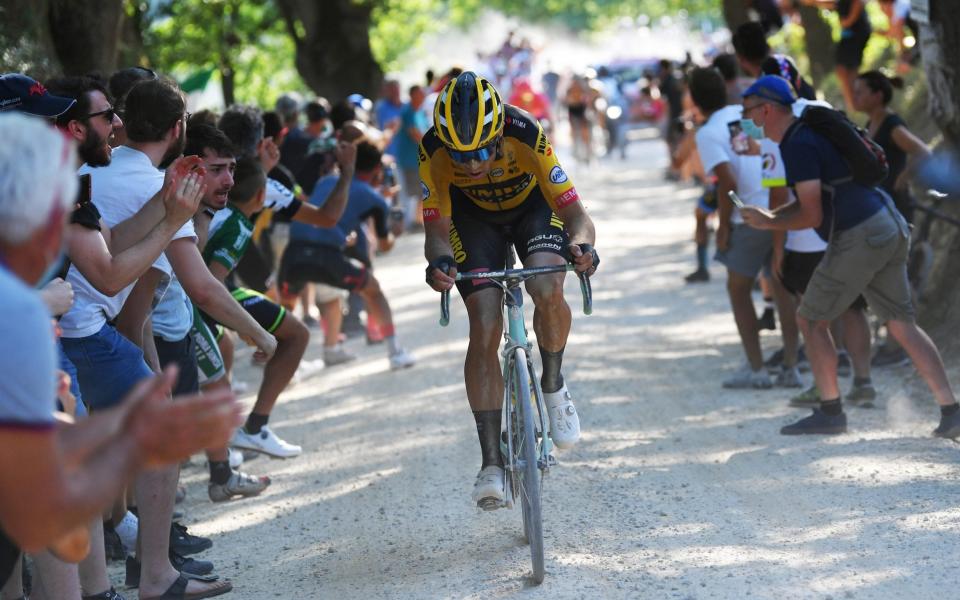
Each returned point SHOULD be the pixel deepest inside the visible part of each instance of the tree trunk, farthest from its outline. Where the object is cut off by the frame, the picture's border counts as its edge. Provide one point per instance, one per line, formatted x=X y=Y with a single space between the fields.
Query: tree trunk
x=86 y=34
x=818 y=39
x=333 y=46
x=735 y=13
x=25 y=39
x=939 y=49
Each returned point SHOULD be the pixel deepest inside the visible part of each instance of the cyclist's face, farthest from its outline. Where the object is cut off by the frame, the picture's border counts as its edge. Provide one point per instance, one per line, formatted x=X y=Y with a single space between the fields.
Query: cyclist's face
x=478 y=168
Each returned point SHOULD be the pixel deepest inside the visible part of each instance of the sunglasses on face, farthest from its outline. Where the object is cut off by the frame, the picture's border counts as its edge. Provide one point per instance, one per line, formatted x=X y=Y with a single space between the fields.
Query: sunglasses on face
x=480 y=154
x=107 y=114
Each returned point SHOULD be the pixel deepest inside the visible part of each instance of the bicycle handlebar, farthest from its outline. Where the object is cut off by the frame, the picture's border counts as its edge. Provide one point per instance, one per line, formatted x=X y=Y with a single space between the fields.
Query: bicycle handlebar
x=519 y=275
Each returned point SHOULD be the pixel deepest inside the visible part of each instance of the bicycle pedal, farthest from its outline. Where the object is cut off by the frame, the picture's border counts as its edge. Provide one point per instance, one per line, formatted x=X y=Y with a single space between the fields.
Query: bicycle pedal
x=552 y=461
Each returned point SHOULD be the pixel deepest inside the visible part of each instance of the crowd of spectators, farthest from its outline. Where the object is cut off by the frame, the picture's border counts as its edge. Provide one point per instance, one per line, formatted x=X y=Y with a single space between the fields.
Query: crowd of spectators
x=139 y=243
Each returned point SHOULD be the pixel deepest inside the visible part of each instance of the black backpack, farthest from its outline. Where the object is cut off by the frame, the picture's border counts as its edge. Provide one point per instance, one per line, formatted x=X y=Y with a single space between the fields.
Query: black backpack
x=866 y=159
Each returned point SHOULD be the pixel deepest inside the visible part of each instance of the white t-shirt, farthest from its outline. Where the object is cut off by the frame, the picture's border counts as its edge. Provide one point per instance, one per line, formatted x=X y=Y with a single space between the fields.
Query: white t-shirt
x=774 y=175
x=119 y=191
x=713 y=144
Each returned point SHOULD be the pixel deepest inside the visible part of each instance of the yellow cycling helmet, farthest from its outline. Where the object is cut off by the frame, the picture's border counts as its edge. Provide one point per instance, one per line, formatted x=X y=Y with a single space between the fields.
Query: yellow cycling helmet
x=468 y=114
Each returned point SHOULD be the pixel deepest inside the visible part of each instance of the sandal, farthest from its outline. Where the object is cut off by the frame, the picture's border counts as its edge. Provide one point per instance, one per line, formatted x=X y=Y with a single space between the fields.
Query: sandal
x=178 y=591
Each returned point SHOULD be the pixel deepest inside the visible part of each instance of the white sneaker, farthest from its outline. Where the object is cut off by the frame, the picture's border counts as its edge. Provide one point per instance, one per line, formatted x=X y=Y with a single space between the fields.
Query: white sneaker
x=239 y=484
x=488 y=489
x=265 y=442
x=401 y=359
x=235 y=457
x=789 y=377
x=746 y=378
x=127 y=530
x=564 y=421
x=336 y=355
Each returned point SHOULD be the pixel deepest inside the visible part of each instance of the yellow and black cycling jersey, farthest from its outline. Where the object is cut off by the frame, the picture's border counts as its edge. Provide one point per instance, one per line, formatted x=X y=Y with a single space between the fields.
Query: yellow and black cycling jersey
x=526 y=163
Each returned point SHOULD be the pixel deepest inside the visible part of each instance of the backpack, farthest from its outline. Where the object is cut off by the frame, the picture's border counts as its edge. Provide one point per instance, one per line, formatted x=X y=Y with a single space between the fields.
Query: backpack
x=866 y=159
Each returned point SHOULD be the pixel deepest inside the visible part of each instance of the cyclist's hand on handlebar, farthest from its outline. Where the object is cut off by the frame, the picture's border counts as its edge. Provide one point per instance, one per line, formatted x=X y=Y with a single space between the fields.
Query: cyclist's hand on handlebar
x=441 y=273
x=585 y=258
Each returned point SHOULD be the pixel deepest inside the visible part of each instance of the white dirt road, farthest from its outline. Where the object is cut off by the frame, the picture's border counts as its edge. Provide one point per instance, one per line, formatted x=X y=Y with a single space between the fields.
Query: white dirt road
x=678 y=489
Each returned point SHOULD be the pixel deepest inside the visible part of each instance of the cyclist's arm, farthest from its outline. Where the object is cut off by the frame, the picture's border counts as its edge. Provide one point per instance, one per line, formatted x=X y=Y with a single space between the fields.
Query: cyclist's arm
x=578 y=224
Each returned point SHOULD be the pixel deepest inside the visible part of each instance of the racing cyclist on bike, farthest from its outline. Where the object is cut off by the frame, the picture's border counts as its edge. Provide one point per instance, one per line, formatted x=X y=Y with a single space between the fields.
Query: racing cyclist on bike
x=490 y=177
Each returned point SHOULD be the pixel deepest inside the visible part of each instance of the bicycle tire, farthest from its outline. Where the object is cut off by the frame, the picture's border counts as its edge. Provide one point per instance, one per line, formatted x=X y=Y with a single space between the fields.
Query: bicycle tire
x=526 y=451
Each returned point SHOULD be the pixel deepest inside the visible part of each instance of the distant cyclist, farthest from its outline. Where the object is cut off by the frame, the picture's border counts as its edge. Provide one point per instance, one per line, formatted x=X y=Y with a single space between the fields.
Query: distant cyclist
x=490 y=177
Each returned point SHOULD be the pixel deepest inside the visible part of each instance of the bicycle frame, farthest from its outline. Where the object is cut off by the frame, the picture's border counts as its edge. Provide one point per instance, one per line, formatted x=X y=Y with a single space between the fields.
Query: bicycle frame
x=517 y=347
x=527 y=444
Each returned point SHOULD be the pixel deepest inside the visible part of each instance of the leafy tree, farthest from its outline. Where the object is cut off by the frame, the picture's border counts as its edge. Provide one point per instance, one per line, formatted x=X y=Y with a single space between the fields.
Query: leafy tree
x=243 y=40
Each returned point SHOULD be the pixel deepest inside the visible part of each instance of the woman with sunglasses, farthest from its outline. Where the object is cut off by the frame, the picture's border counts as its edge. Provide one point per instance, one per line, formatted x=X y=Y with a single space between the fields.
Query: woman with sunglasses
x=489 y=177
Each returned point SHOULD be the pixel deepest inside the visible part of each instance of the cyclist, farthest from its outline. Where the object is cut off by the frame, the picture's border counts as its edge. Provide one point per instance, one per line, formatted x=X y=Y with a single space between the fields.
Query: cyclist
x=490 y=177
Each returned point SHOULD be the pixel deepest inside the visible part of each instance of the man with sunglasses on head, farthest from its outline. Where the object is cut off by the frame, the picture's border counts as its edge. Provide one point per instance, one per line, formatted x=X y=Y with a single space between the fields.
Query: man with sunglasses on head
x=489 y=177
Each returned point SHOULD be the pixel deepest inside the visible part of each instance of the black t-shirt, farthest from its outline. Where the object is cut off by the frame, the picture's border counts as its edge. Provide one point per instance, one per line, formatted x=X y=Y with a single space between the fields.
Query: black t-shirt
x=896 y=158
x=862 y=24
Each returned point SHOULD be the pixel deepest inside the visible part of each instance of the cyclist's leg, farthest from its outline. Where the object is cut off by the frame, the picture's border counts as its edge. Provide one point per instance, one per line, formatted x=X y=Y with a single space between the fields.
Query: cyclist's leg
x=541 y=241
x=478 y=246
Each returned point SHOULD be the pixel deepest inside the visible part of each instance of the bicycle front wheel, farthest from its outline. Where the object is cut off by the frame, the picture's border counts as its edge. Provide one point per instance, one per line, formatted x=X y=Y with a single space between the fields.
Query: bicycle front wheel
x=526 y=456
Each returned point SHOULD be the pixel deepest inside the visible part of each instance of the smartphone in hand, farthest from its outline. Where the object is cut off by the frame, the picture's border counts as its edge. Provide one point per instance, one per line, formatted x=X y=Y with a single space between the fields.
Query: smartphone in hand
x=735 y=199
x=738 y=139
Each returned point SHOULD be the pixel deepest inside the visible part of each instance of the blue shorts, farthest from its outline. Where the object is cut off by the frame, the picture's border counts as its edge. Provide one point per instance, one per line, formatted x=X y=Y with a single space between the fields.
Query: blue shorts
x=67 y=367
x=108 y=366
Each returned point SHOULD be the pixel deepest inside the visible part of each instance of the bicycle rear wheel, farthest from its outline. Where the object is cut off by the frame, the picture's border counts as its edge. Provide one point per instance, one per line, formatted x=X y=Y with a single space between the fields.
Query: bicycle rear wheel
x=525 y=454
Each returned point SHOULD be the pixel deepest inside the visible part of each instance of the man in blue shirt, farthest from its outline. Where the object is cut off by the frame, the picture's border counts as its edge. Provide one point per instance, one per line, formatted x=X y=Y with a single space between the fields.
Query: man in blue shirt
x=413 y=124
x=318 y=254
x=868 y=245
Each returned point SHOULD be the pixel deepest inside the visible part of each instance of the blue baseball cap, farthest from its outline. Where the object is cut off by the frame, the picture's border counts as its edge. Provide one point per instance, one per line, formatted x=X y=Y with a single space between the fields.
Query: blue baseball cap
x=773 y=88
x=25 y=94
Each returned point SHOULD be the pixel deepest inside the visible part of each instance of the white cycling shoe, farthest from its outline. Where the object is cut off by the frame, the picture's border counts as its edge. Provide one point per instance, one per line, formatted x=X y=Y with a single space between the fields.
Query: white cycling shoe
x=564 y=421
x=265 y=442
x=488 y=489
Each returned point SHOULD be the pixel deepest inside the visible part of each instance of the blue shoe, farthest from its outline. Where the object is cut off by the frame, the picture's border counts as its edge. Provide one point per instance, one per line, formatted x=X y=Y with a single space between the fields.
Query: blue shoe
x=817 y=423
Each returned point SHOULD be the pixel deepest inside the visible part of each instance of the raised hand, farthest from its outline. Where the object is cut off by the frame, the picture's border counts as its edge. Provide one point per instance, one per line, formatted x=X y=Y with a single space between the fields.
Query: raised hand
x=182 y=198
x=269 y=154
x=346 y=153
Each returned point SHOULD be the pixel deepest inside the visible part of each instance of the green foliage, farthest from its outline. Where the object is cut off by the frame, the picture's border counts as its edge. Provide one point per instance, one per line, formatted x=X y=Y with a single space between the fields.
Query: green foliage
x=245 y=38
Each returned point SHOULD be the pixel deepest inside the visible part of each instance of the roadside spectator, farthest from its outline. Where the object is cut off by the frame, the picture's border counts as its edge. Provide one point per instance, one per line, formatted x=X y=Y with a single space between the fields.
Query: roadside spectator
x=855 y=32
x=743 y=250
x=388 y=111
x=120 y=83
x=872 y=93
x=868 y=242
x=318 y=254
x=413 y=124
x=107 y=449
x=751 y=47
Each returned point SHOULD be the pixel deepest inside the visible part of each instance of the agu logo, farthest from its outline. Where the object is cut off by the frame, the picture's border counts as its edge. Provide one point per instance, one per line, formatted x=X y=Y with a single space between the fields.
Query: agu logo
x=557 y=175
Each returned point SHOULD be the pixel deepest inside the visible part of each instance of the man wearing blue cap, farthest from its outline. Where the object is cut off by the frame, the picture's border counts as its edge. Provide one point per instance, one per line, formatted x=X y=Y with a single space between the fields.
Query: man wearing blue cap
x=868 y=243
x=25 y=94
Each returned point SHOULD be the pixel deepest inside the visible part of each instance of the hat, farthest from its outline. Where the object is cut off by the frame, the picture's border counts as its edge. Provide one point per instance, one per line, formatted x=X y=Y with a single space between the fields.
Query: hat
x=773 y=88
x=25 y=94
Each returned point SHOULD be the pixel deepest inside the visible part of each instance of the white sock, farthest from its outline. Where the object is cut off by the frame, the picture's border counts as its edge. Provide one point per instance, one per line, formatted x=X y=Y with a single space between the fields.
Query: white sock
x=127 y=530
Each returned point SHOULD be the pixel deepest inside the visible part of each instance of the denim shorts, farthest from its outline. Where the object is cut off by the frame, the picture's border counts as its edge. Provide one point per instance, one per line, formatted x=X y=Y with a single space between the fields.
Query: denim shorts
x=67 y=367
x=108 y=366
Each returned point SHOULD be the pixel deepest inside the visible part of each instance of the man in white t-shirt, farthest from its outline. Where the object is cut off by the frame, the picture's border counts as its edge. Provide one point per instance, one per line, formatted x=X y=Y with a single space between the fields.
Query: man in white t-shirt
x=108 y=364
x=742 y=249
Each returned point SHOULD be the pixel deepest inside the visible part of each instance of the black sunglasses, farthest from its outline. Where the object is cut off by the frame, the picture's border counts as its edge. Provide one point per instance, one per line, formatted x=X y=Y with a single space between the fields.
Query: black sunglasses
x=108 y=114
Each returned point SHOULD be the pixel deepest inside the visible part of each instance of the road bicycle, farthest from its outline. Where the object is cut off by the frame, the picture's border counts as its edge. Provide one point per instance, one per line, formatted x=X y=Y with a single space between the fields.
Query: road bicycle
x=525 y=426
